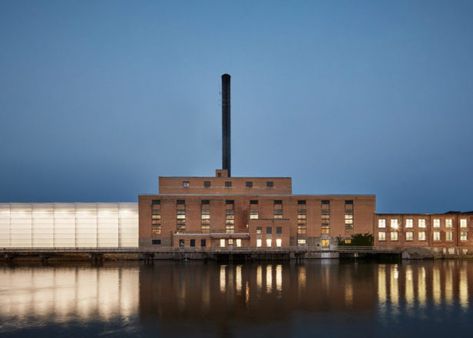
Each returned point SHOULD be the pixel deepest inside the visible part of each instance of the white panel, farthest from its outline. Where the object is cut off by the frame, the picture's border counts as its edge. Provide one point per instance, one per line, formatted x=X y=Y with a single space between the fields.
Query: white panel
x=64 y=232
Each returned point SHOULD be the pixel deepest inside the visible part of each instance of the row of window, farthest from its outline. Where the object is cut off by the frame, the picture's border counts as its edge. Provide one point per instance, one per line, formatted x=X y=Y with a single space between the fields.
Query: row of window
x=421 y=223
x=325 y=204
x=269 y=230
x=228 y=184
x=421 y=236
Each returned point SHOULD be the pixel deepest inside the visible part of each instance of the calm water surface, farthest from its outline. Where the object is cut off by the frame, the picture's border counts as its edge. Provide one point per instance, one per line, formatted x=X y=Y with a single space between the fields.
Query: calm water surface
x=193 y=299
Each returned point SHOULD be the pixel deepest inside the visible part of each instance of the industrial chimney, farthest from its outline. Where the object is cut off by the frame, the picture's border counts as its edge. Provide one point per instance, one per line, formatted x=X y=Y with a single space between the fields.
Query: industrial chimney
x=226 y=125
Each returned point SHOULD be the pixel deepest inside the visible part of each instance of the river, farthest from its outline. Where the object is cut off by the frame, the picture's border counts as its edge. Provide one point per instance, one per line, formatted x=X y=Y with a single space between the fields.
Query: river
x=319 y=298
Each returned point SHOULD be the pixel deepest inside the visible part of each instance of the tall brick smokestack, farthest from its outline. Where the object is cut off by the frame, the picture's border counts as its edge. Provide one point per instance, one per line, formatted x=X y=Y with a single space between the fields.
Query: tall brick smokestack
x=226 y=125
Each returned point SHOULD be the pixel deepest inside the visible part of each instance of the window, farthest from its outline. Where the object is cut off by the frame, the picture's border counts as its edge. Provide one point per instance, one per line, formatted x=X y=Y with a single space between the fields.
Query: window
x=181 y=243
x=449 y=236
x=409 y=223
x=381 y=236
x=436 y=223
x=436 y=235
x=181 y=215
x=301 y=202
x=421 y=223
x=229 y=216
x=301 y=218
x=185 y=184
x=203 y=243
x=238 y=242
x=463 y=223
x=382 y=223
x=269 y=230
x=192 y=243
x=259 y=230
x=156 y=217
x=394 y=224
x=156 y=242
x=228 y=184
x=448 y=223
x=269 y=184
x=325 y=243
x=301 y=242
x=278 y=242
x=205 y=216
x=277 y=209
x=349 y=214
x=258 y=243
x=325 y=230
x=230 y=241
x=268 y=242
x=249 y=184
x=254 y=209
x=409 y=236
x=207 y=184
x=421 y=236
x=222 y=242
x=325 y=213
x=463 y=236
x=278 y=230
x=394 y=236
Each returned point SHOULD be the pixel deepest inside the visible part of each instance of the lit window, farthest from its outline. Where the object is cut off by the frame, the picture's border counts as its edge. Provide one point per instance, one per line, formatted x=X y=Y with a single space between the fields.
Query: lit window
x=463 y=236
x=448 y=223
x=409 y=223
x=258 y=243
x=436 y=223
x=436 y=235
x=222 y=242
x=463 y=223
x=301 y=241
x=268 y=242
x=278 y=242
x=394 y=236
x=185 y=184
x=238 y=242
x=230 y=241
x=421 y=223
x=381 y=236
x=382 y=223
x=325 y=243
x=259 y=230
x=394 y=224
x=449 y=236
x=409 y=236
x=421 y=235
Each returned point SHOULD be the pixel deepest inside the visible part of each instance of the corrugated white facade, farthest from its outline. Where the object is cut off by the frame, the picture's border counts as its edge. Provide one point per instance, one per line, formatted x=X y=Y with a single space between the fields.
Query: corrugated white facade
x=68 y=225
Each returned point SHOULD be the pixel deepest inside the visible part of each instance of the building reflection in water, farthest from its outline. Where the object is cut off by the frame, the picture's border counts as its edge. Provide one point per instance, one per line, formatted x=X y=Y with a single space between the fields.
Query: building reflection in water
x=64 y=294
x=167 y=293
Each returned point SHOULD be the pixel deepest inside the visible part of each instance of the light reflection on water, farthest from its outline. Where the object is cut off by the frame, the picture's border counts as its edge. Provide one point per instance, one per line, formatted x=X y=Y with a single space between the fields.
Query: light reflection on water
x=182 y=299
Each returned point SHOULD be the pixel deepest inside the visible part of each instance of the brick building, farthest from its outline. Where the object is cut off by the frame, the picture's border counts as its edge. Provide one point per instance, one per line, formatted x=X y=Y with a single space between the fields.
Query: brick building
x=442 y=231
x=222 y=212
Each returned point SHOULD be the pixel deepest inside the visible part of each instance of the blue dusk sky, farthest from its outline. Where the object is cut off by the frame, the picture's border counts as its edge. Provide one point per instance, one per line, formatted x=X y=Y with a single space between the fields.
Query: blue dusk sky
x=99 y=98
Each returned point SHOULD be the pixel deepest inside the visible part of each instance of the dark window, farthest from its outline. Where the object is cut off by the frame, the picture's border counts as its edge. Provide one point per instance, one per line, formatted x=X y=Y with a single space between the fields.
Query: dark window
x=254 y=202
x=228 y=184
x=301 y=202
x=185 y=184
x=180 y=202
x=279 y=230
x=325 y=202
x=192 y=243
x=277 y=201
x=207 y=184
x=156 y=241
x=349 y=202
x=205 y=202
x=203 y=243
x=269 y=230
x=155 y=202
x=270 y=184
x=249 y=184
x=259 y=230
x=181 y=243
x=229 y=202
